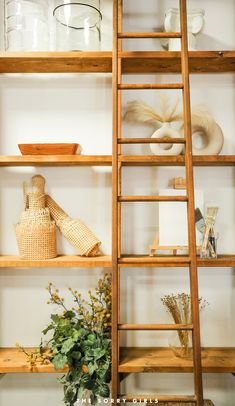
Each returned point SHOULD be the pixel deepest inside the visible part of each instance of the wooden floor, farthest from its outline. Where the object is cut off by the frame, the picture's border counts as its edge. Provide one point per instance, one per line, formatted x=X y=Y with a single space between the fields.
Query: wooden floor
x=214 y=360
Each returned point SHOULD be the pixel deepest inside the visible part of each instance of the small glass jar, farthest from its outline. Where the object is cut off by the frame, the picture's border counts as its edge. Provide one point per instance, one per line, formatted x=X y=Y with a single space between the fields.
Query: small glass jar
x=211 y=247
x=26 y=25
x=77 y=25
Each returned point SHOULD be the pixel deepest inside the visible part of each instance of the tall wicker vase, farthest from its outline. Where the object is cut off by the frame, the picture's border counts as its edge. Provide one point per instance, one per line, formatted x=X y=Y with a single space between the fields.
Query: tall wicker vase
x=36 y=232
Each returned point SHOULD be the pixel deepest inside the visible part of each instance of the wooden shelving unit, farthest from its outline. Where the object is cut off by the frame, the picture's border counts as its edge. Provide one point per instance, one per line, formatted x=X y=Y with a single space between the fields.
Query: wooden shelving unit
x=101 y=62
x=133 y=360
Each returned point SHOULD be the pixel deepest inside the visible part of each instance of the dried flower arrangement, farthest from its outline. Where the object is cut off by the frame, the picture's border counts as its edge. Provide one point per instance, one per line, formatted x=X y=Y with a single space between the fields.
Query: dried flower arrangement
x=179 y=307
x=81 y=340
x=167 y=112
x=167 y=119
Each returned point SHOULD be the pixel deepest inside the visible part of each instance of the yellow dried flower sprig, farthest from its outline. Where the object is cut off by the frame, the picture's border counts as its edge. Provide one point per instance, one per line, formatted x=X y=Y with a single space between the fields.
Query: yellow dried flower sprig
x=55 y=298
x=94 y=313
x=41 y=356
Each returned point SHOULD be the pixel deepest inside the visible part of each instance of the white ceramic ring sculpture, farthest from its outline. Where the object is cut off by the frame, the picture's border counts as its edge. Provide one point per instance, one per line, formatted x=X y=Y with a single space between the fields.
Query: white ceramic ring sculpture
x=166 y=149
x=213 y=140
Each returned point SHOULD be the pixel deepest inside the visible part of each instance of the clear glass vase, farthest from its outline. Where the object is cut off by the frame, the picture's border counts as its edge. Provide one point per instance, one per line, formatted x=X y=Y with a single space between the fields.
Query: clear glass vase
x=77 y=25
x=26 y=25
x=181 y=344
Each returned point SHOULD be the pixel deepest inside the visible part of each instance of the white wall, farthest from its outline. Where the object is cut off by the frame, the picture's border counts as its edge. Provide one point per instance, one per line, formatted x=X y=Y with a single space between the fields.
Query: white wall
x=59 y=108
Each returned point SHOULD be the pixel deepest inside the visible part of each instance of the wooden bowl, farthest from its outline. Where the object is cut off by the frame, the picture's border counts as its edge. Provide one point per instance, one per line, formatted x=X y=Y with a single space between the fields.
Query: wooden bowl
x=48 y=149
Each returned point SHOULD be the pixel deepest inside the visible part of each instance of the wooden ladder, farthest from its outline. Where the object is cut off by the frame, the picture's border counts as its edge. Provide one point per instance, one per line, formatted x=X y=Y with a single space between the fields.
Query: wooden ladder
x=118 y=199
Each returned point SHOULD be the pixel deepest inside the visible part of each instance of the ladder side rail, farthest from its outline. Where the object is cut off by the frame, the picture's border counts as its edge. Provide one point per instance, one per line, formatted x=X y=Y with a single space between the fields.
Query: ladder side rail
x=115 y=278
x=191 y=207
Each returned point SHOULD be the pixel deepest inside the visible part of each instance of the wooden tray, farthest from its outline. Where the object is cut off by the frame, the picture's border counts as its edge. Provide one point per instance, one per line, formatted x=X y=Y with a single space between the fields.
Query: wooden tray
x=48 y=149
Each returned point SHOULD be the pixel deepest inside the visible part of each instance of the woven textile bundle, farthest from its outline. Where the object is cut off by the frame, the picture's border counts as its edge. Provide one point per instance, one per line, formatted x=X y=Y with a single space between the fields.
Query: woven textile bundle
x=36 y=232
x=75 y=231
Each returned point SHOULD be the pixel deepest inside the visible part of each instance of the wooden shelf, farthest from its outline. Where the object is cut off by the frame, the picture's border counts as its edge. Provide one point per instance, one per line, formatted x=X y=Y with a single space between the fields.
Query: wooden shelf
x=170 y=62
x=161 y=261
x=154 y=160
x=14 y=361
x=106 y=160
x=55 y=62
x=105 y=261
x=62 y=261
x=214 y=360
x=220 y=261
x=101 y=62
x=56 y=160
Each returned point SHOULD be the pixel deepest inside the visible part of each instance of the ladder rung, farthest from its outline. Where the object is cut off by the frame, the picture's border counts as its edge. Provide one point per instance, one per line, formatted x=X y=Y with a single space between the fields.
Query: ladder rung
x=160 y=327
x=165 y=140
x=149 y=35
x=152 y=198
x=162 y=398
x=151 y=86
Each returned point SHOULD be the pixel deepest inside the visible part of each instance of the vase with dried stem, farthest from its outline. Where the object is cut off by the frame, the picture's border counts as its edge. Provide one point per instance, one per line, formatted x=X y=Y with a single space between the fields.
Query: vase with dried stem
x=179 y=307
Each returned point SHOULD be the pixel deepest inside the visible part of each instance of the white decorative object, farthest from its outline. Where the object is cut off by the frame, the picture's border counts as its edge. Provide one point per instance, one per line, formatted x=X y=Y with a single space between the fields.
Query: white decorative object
x=172 y=24
x=173 y=223
x=168 y=121
x=212 y=140
x=161 y=119
x=166 y=149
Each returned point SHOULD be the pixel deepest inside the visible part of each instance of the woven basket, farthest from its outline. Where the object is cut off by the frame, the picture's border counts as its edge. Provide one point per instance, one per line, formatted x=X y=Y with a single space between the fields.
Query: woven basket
x=75 y=231
x=36 y=241
x=41 y=216
x=35 y=232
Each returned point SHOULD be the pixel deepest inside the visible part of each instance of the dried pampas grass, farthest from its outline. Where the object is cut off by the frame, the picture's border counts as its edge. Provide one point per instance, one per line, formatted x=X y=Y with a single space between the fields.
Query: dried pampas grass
x=141 y=112
x=201 y=118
